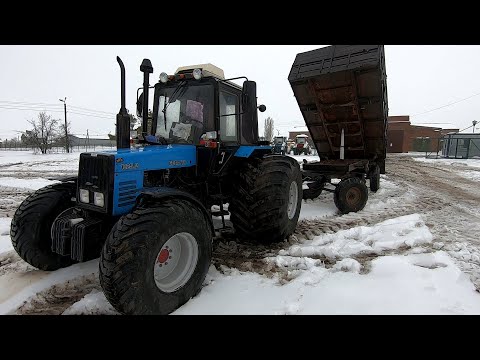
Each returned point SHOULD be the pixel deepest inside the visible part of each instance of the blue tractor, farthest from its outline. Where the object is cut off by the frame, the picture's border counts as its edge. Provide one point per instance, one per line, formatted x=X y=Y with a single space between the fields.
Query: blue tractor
x=146 y=210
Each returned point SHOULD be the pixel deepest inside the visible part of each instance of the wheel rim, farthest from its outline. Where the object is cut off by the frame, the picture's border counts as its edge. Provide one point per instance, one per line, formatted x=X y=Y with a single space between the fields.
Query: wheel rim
x=292 y=200
x=175 y=262
x=353 y=196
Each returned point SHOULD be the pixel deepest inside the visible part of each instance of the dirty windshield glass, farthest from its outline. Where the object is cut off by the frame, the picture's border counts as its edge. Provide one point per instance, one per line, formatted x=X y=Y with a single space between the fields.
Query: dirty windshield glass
x=185 y=115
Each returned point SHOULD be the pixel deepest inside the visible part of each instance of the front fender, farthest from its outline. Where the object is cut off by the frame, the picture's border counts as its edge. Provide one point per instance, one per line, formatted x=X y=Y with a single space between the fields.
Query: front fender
x=162 y=193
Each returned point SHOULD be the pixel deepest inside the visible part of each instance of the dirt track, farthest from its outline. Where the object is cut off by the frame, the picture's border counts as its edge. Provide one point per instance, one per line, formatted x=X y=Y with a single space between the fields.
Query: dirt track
x=449 y=204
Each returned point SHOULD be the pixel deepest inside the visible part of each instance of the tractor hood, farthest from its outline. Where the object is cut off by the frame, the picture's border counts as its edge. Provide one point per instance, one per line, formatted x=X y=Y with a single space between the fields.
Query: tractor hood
x=154 y=157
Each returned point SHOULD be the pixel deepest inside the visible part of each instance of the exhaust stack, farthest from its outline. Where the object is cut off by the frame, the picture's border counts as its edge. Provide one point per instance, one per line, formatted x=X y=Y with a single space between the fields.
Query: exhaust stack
x=123 y=119
x=147 y=69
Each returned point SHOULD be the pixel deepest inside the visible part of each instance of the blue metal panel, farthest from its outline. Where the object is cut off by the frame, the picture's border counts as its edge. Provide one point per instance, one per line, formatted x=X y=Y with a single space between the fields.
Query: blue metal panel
x=246 y=151
x=130 y=165
x=126 y=188
x=155 y=157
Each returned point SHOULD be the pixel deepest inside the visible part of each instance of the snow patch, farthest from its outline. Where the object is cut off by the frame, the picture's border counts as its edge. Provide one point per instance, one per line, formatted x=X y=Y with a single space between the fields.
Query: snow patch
x=348 y=265
x=91 y=304
x=5 y=241
x=392 y=234
x=33 y=184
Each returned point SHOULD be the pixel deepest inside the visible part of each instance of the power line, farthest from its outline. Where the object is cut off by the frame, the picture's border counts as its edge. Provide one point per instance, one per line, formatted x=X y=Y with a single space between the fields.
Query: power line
x=92 y=110
x=27 y=105
x=57 y=111
x=444 y=106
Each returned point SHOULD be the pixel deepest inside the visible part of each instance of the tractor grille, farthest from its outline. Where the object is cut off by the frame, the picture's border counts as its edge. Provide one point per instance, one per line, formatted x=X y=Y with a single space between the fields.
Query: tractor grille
x=95 y=173
x=127 y=193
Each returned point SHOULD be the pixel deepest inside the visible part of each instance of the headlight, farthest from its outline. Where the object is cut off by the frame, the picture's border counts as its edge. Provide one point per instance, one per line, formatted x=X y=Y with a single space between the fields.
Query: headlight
x=197 y=74
x=98 y=199
x=84 y=196
x=163 y=77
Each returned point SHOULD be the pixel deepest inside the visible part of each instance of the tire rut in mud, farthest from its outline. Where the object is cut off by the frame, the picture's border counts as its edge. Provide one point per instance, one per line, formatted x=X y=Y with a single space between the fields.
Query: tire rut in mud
x=59 y=297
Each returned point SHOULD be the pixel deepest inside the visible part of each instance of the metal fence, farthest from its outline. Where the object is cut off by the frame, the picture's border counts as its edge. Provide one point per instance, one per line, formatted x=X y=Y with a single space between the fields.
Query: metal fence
x=55 y=149
x=461 y=146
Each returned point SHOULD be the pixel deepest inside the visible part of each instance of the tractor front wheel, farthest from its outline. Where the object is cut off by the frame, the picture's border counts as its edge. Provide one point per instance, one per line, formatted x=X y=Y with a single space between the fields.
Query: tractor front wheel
x=155 y=259
x=266 y=200
x=31 y=225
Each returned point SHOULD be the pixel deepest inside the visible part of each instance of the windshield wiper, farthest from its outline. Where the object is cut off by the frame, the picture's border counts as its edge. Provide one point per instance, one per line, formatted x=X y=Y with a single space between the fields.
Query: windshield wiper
x=173 y=98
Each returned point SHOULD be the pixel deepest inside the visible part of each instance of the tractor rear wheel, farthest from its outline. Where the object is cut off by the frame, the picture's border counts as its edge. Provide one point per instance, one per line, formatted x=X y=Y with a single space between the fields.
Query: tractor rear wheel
x=351 y=195
x=266 y=200
x=31 y=225
x=154 y=260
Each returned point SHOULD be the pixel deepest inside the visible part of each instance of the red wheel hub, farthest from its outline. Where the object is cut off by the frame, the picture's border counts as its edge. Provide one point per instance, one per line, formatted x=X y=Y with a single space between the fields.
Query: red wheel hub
x=163 y=256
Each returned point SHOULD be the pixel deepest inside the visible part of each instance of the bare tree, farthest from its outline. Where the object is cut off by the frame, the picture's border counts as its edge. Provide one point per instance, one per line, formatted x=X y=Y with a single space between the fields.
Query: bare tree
x=44 y=132
x=133 y=122
x=268 y=129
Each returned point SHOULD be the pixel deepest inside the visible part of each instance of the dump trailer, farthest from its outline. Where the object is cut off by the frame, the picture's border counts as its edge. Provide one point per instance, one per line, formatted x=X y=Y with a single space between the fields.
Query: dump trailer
x=342 y=93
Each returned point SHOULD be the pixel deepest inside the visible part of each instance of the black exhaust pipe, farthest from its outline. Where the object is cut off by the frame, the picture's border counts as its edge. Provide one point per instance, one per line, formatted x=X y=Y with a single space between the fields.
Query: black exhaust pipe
x=147 y=69
x=123 y=119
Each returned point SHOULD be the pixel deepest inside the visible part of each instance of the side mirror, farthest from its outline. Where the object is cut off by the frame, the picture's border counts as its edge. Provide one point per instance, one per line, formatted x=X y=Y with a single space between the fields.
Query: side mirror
x=140 y=105
x=262 y=108
x=249 y=113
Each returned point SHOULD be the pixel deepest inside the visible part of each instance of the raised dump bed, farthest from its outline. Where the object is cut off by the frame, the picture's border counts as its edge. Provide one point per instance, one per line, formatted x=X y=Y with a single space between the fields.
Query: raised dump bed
x=342 y=93
x=344 y=87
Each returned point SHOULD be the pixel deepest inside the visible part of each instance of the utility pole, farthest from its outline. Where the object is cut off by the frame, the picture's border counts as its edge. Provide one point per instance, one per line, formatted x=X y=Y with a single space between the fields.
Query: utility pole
x=66 y=128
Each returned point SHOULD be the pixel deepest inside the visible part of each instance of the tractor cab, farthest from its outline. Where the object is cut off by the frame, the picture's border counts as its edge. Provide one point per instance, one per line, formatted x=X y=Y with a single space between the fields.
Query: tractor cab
x=279 y=145
x=198 y=106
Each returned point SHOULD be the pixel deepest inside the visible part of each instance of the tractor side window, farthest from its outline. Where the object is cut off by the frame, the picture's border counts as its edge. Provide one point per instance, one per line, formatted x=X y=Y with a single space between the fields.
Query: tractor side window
x=228 y=124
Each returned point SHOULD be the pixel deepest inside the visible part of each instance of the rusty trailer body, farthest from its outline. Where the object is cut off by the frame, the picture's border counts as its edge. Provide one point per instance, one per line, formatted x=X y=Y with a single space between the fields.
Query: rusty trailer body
x=344 y=87
x=341 y=91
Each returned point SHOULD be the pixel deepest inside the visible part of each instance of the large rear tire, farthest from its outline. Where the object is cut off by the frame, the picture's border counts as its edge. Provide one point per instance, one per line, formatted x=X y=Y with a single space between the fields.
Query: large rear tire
x=351 y=195
x=155 y=259
x=31 y=225
x=266 y=200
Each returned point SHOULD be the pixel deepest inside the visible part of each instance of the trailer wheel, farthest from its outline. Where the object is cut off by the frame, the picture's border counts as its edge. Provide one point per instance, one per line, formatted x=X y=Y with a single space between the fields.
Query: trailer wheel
x=351 y=195
x=154 y=260
x=266 y=199
x=32 y=222
x=375 y=179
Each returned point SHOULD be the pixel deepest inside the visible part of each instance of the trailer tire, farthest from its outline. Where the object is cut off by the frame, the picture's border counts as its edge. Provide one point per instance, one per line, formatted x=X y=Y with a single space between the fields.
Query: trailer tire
x=30 y=229
x=266 y=200
x=133 y=268
x=375 y=179
x=350 y=195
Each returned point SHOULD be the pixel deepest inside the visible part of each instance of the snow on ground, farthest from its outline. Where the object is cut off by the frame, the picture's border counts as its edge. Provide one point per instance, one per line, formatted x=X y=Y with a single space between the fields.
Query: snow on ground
x=414 y=284
x=91 y=304
x=28 y=157
x=455 y=163
x=15 y=290
x=393 y=257
x=405 y=231
x=33 y=184
x=5 y=242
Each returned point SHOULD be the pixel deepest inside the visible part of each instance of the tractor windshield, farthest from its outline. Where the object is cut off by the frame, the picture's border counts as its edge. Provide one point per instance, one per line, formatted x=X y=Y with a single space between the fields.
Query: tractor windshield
x=278 y=140
x=186 y=110
x=301 y=140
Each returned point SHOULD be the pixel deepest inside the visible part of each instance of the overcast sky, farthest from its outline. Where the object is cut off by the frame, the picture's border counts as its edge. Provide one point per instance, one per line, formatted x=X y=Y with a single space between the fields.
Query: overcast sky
x=420 y=78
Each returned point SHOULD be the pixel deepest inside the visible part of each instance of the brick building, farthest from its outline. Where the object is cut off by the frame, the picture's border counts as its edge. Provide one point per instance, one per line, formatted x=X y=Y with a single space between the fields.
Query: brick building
x=403 y=137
